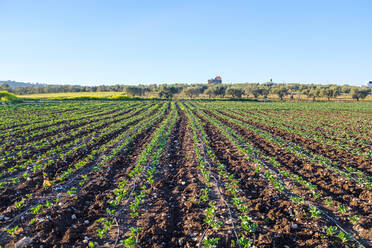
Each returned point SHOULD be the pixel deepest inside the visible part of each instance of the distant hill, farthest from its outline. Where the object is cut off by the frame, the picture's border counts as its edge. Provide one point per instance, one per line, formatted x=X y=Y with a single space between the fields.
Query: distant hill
x=14 y=84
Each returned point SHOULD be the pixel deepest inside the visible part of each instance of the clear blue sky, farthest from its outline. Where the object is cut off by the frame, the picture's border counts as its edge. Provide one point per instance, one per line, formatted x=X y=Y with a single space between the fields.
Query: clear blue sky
x=103 y=41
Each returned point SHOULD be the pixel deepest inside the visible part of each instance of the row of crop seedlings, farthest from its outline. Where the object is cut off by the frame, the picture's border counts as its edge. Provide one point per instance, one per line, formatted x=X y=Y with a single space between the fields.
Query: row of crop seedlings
x=18 y=143
x=316 y=135
x=50 y=120
x=15 y=140
x=328 y=129
x=348 y=172
x=67 y=123
x=308 y=126
x=310 y=121
x=133 y=190
x=208 y=186
x=17 y=118
x=77 y=146
x=118 y=142
x=329 y=202
x=57 y=144
x=264 y=165
x=217 y=178
x=98 y=158
x=355 y=122
x=292 y=128
x=263 y=117
x=49 y=142
x=55 y=113
x=100 y=153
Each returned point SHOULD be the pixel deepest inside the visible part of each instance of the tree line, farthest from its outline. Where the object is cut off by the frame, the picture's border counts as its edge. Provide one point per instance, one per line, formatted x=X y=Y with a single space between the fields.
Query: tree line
x=254 y=90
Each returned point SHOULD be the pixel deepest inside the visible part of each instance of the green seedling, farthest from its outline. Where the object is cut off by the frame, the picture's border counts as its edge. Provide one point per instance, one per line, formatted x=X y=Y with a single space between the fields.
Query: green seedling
x=12 y=231
x=210 y=243
x=315 y=213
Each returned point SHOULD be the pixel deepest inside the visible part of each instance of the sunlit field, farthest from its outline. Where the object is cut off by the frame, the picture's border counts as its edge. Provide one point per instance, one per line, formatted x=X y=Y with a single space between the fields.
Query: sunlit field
x=186 y=173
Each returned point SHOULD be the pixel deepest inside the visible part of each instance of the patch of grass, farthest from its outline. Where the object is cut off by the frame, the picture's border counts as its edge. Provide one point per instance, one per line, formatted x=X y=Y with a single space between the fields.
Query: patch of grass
x=7 y=97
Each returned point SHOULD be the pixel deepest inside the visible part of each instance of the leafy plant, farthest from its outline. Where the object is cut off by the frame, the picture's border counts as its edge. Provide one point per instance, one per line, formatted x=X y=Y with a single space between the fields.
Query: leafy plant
x=344 y=236
x=210 y=216
x=110 y=212
x=48 y=204
x=19 y=204
x=211 y=242
x=354 y=219
x=205 y=197
x=37 y=209
x=342 y=209
x=245 y=243
x=332 y=230
x=131 y=241
x=91 y=244
x=12 y=231
x=329 y=201
x=72 y=191
x=32 y=221
x=247 y=224
x=315 y=213
x=296 y=199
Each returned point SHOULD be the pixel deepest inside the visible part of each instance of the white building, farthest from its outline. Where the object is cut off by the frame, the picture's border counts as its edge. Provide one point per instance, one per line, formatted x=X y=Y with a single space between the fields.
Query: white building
x=369 y=84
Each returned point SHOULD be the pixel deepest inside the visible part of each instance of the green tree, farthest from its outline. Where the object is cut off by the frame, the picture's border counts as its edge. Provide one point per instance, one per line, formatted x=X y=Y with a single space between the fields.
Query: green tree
x=193 y=91
x=134 y=91
x=220 y=90
x=359 y=93
x=235 y=92
x=168 y=91
x=256 y=92
x=265 y=92
x=5 y=87
x=281 y=92
x=314 y=93
x=216 y=91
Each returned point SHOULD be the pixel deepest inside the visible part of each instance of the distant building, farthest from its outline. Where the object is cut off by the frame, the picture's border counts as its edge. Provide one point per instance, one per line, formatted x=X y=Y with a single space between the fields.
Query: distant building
x=216 y=80
x=369 y=84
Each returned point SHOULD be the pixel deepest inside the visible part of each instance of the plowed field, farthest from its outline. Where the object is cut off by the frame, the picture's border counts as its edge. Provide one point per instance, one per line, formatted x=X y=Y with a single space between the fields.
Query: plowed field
x=185 y=174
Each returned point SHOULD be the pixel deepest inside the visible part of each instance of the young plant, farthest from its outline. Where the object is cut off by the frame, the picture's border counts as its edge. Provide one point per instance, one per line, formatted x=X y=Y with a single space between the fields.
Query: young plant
x=244 y=243
x=315 y=213
x=110 y=212
x=344 y=236
x=209 y=218
x=12 y=231
x=329 y=202
x=297 y=200
x=102 y=232
x=247 y=224
x=72 y=191
x=331 y=230
x=205 y=197
x=342 y=209
x=48 y=204
x=91 y=244
x=32 y=221
x=37 y=209
x=19 y=204
x=131 y=242
x=354 y=219
x=210 y=243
